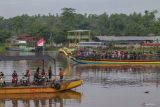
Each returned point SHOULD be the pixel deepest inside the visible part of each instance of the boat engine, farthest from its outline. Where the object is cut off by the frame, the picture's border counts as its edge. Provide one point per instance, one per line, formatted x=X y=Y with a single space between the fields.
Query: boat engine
x=56 y=85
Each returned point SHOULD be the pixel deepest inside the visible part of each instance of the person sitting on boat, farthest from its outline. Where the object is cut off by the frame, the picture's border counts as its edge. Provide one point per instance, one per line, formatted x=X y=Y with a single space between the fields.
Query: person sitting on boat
x=14 y=77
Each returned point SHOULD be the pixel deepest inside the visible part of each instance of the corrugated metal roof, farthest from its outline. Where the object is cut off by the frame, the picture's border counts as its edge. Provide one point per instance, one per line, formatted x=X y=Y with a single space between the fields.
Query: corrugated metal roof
x=127 y=38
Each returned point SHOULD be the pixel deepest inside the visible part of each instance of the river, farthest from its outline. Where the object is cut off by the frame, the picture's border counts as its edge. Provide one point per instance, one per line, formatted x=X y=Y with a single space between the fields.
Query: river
x=103 y=86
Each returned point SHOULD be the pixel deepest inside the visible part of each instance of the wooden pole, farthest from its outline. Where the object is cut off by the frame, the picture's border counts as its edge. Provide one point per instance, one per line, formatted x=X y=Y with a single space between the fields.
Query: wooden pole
x=55 y=67
x=43 y=65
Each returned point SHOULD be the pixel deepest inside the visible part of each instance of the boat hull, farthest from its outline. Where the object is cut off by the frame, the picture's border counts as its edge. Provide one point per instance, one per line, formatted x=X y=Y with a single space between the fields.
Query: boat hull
x=40 y=89
x=70 y=94
x=115 y=61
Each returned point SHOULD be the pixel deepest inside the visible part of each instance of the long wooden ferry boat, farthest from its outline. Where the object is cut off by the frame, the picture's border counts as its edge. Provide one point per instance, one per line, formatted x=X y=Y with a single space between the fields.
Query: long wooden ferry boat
x=114 y=61
x=70 y=94
x=50 y=88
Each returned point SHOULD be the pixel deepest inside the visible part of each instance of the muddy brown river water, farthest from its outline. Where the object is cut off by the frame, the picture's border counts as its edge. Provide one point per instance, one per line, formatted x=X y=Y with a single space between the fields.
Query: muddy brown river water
x=103 y=86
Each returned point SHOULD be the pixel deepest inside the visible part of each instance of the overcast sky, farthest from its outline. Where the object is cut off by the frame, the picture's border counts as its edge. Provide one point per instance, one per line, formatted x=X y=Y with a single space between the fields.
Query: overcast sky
x=11 y=8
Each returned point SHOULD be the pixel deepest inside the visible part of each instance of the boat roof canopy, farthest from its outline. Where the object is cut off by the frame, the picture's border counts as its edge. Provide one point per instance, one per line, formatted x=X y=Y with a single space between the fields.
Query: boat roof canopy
x=28 y=57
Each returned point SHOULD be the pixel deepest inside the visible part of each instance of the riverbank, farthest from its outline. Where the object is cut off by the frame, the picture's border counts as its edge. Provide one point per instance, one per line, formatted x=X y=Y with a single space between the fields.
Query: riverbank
x=2 y=47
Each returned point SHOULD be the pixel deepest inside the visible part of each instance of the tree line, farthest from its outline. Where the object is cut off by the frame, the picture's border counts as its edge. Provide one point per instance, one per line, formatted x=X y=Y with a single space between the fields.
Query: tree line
x=55 y=27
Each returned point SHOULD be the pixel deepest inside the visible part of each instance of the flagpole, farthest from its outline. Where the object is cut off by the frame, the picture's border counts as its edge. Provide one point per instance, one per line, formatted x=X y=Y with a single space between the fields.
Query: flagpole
x=43 y=48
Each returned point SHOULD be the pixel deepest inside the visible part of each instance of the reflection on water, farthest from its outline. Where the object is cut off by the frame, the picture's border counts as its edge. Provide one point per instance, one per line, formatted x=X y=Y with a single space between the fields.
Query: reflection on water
x=41 y=99
x=104 y=86
x=119 y=75
x=120 y=85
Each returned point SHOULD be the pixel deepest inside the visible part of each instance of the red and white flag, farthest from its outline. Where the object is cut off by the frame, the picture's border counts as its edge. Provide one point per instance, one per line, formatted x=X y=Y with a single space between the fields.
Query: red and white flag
x=40 y=42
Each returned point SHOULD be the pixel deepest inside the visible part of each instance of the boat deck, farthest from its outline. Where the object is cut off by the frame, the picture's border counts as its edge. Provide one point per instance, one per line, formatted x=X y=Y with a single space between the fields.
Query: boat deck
x=47 y=84
x=46 y=88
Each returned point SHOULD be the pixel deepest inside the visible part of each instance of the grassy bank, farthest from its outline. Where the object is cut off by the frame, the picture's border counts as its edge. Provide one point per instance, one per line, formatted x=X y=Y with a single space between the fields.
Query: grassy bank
x=2 y=48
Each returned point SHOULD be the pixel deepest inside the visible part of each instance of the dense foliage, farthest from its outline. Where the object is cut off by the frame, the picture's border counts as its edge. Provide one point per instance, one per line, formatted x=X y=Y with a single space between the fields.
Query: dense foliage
x=55 y=27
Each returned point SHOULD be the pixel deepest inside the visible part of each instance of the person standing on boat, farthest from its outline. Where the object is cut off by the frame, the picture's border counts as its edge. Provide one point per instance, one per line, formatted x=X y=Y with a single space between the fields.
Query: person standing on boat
x=43 y=73
x=43 y=77
x=61 y=73
x=36 y=74
x=27 y=74
x=14 y=77
x=50 y=73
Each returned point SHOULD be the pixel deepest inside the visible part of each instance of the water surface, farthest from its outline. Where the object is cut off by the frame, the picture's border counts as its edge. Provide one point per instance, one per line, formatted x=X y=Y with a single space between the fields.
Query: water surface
x=104 y=86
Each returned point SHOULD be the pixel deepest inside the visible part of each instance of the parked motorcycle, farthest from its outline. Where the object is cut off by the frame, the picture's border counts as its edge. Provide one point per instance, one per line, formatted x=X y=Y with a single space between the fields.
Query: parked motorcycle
x=24 y=81
x=41 y=80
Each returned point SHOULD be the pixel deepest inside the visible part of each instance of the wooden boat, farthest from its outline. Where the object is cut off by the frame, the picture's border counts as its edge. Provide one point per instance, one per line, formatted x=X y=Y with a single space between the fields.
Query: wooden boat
x=118 y=66
x=114 y=61
x=57 y=87
x=70 y=94
x=51 y=87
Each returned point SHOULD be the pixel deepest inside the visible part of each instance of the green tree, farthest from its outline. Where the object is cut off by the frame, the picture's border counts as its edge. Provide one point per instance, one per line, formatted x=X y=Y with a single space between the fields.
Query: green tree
x=68 y=18
x=60 y=39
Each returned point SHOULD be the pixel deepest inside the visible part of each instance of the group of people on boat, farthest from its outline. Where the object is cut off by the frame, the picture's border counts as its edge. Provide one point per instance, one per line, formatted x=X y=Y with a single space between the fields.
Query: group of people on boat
x=38 y=77
x=117 y=54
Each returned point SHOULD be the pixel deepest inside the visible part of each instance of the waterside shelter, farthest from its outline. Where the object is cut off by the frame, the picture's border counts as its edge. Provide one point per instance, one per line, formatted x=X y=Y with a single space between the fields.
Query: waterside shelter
x=76 y=36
